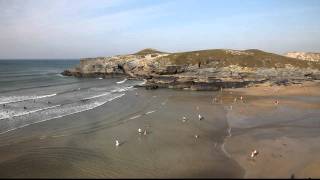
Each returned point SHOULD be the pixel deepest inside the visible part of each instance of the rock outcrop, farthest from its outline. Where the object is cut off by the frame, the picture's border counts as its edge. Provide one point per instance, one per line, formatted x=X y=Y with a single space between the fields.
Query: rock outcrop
x=200 y=70
x=308 y=56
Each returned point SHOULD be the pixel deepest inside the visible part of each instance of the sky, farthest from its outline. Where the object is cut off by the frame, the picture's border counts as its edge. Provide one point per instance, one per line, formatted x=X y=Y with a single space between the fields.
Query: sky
x=90 y=28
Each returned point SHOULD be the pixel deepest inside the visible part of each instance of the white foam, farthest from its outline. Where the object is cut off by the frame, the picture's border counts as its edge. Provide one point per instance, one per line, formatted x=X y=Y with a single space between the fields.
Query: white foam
x=120 y=82
x=144 y=82
x=149 y=112
x=12 y=99
x=122 y=89
x=7 y=115
x=100 y=95
x=107 y=93
x=135 y=117
x=60 y=75
x=71 y=110
x=224 y=151
x=229 y=132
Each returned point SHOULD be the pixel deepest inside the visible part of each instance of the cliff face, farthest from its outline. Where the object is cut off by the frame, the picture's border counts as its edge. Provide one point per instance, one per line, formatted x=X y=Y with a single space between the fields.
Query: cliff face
x=200 y=70
x=304 y=56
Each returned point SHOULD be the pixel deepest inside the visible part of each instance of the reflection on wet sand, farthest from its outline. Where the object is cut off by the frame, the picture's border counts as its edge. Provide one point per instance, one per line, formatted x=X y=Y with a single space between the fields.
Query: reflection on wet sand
x=282 y=125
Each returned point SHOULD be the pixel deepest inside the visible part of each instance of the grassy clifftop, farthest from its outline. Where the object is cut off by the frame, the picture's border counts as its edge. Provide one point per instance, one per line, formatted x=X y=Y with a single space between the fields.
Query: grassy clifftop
x=222 y=57
x=147 y=51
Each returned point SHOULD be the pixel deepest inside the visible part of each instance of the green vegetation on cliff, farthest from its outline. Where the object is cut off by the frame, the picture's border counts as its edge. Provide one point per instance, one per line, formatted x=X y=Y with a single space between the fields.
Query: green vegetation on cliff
x=247 y=58
x=147 y=51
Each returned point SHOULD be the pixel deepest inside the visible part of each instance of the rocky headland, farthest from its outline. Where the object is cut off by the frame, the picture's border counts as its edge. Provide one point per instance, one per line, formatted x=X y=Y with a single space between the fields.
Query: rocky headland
x=307 y=56
x=201 y=70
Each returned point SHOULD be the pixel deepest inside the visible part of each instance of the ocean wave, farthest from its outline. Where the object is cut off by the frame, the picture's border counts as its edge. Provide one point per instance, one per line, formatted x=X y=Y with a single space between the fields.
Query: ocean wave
x=122 y=89
x=123 y=81
x=42 y=86
x=60 y=75
x=60 y=111
x=6 y=115
x=107 y=93
x=12 y=99
x=135 y=117
x=144 y=82
x=16 y=75
x=149 y=112
x=96 y=96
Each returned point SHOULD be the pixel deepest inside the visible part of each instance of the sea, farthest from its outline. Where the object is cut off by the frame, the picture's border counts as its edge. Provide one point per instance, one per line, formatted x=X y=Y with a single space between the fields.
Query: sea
x=54 y=126
x=34 y=91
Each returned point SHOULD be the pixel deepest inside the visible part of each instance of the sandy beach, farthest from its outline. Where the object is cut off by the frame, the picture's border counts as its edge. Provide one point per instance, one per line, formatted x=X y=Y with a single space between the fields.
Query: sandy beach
x=285 y=135
x=82 y=145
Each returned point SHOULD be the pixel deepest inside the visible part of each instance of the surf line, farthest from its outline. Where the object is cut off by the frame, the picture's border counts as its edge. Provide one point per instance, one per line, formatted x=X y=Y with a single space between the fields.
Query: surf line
x=135 y=117
x=139 y=115
x=13 y=129
x=29 y=112
x=229 y=132
x=223 y=144
x=26 y=98
x=120 y=82
x=149 y=112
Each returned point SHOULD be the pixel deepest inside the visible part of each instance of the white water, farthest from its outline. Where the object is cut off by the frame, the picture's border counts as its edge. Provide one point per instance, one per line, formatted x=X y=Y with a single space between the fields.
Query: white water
x=10 y=114
x=149 y=112
x=12 y=99
x=135 y=117
x=100 y=95
x=120 y=82
x=56 y=112
x=18 y=110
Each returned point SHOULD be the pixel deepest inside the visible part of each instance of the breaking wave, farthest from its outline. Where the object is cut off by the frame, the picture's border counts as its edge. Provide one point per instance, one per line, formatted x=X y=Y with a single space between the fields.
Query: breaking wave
x=12 y=99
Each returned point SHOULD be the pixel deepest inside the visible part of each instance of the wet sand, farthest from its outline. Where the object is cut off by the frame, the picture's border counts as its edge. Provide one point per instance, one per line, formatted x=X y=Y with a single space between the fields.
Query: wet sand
x=83 y=145
x=286 y=135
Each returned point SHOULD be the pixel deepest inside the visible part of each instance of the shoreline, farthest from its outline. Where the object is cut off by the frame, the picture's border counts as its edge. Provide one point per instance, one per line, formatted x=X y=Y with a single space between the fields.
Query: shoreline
x=83 y=144
x=168 y=149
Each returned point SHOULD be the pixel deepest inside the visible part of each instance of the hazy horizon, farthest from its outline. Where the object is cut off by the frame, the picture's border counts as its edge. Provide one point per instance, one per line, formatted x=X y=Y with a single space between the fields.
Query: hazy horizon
x=70 y=29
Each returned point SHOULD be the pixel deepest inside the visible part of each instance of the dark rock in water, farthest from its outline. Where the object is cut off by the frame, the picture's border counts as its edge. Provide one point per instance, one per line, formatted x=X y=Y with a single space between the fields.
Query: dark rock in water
x=67 y=73
x=151 y=87
x=72 y=73
x=282 y=82
x=204 y=87
x=315 y=76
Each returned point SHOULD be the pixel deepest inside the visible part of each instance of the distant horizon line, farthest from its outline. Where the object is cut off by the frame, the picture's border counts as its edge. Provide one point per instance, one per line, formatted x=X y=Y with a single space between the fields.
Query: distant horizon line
x=39 y=59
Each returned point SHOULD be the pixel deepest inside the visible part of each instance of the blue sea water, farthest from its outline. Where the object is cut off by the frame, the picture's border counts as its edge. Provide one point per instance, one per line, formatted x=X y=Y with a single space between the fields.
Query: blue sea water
x=33 y=91
x=17 y=74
